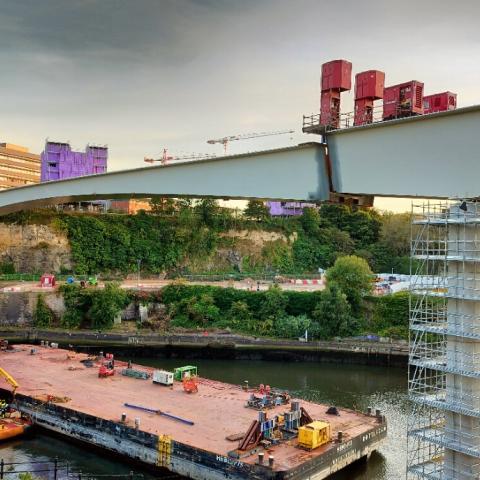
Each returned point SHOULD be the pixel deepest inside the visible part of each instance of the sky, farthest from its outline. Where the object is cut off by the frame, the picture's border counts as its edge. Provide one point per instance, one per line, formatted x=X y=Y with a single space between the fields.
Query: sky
x=143 y=75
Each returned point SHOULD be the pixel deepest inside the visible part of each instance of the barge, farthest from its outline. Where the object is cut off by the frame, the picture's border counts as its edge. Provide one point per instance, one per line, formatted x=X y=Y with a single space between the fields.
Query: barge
x=62 y=392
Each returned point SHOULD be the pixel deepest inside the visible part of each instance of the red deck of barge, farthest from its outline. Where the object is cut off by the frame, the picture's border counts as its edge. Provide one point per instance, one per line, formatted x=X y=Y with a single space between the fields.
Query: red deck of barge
x=218 y=409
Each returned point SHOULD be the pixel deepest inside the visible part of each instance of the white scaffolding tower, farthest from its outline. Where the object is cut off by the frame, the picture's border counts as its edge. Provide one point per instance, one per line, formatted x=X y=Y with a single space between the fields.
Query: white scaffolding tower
x=444 y=363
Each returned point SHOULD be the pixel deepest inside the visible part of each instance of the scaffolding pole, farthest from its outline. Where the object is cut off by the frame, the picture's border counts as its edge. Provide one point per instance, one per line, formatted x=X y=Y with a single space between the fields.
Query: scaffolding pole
x=444 y=361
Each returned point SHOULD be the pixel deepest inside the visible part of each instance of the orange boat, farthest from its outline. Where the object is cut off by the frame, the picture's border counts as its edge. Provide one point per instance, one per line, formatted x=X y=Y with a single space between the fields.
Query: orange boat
x=13 y=426
x=12 y=422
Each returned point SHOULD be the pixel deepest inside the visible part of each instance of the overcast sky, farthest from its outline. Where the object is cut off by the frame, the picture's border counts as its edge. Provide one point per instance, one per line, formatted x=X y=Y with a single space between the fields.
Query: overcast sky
x=140 y=75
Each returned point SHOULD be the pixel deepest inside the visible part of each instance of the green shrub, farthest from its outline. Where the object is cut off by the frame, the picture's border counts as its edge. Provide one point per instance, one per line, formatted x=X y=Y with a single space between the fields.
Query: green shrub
x=332 y=315
x=42 y=316
x=391 y=311
x=107 y=303
x=7 y=268
x=291 y=327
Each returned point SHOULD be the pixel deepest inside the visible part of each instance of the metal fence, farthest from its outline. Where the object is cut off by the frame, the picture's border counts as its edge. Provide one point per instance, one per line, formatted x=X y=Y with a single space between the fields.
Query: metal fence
x=57 y=470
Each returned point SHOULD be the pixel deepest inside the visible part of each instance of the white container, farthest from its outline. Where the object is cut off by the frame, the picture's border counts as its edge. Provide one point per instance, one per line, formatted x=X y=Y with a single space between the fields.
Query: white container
x=163 y=377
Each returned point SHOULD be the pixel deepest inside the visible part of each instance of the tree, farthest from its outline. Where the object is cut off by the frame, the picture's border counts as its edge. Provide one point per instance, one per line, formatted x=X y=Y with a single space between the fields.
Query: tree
x=310 y=221
x=107 y=303
x=257 y=210
x=290 y=326
x=354 y=277
x=203 y=310
x=363 y=226
x=274 y=304
x=207 y=209
x=163 y=206
x=43 y=315
x=395 y=232
x=332 y=315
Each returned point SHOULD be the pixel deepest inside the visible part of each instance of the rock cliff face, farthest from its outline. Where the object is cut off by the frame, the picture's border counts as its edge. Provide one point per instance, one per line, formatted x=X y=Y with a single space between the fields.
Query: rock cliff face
x=34 y=248
x=17 y=308
x=37 y=248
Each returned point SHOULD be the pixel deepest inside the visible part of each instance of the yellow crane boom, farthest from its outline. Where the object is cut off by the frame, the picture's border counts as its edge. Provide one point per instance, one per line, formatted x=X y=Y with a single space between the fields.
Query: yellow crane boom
x=9 y=379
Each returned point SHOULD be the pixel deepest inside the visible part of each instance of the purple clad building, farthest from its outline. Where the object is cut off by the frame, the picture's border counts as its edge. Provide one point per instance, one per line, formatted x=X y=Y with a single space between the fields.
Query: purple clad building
x=59 y=161
x=287 y=209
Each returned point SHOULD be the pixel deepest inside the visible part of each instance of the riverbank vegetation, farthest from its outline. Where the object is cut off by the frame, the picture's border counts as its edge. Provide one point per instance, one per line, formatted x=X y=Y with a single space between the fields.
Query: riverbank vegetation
x=345 y=308
x=181 y=237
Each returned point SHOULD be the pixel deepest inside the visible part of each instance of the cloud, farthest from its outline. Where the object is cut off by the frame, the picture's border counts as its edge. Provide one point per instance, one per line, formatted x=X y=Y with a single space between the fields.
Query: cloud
x=141 y=75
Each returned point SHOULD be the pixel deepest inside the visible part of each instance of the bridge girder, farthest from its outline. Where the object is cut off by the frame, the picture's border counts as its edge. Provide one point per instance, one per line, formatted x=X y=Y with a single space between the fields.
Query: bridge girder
x=294 y=173
x=430 y=156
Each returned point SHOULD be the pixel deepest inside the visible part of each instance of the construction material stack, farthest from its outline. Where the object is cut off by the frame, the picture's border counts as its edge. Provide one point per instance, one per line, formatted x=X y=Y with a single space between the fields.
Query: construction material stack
x=336 y=78
x=369 y=87
x=403 y=100
x=439 y=102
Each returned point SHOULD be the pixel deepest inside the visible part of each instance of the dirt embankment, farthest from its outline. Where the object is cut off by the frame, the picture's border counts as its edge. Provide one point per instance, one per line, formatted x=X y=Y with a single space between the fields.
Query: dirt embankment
x=34 y=248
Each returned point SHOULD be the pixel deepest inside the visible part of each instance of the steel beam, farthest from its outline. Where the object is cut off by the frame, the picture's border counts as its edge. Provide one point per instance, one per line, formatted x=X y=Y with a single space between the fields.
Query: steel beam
x=430 y=156
x=295 y=173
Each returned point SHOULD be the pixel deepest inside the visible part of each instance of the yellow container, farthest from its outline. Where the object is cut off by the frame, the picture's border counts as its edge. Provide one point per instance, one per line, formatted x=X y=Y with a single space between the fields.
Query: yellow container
x=314 y=435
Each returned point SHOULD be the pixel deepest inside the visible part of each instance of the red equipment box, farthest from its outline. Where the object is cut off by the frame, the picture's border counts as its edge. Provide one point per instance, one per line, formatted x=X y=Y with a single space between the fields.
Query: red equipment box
x=403 y=100
x=363 y=113
x=330 y=109
x=369 y=84
x=440 y=102
x=336 y=75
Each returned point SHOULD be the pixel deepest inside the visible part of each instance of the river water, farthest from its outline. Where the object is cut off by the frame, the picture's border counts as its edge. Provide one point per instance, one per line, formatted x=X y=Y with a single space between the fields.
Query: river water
x=350 y=386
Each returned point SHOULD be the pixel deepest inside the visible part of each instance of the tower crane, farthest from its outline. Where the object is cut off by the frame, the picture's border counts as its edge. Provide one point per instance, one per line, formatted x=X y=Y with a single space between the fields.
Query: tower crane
x=165 y=158
x=245 y=136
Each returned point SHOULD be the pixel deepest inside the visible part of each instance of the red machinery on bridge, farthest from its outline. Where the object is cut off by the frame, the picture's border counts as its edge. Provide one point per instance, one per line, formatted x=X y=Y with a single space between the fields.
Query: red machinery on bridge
x=439 y=102
x=369 y=86
x=401 y=100
x=336 y=78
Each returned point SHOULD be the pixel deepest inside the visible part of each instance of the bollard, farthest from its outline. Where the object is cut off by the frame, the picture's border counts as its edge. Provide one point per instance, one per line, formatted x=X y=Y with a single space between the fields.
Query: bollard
x=245 y=385
x=340 y=437
x=260 y=458
x=378 y=412
x=271 y=459
x=369 y=410
x=124 y=417
x=137 y=423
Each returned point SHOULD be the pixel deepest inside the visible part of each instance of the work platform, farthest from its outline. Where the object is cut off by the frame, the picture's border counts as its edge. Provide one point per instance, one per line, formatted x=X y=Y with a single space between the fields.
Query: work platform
x=65 y=396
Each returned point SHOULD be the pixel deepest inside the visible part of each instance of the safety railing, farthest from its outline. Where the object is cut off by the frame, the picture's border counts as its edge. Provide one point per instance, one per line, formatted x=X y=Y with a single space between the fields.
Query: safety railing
x=59 y=470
